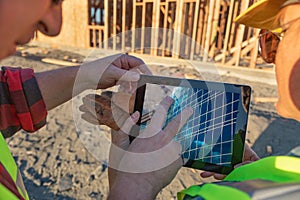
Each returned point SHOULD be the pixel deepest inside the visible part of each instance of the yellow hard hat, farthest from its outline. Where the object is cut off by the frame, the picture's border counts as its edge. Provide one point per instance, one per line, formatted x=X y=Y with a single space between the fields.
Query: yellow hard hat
x=263 y=14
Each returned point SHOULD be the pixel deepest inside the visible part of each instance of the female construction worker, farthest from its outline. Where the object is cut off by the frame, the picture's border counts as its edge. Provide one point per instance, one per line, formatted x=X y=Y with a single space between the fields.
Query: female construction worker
x=26 y=96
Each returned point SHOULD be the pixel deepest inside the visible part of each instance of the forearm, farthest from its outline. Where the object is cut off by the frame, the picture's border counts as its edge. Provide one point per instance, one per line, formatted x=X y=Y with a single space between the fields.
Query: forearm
x=57 y=85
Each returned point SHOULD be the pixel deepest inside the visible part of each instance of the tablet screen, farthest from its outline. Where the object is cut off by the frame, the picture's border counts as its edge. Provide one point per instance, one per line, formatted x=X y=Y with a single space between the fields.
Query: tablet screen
x=213 y=137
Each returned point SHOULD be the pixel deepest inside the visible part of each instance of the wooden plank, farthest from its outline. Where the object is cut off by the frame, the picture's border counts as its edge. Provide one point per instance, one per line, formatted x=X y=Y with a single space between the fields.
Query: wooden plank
x=143 y=27
x=254 y=52
x=184 y=28
x=191 y=17
x=177 y=29
x=209 y=30
x=228 y=29
x=100 y=38
x=155 y=27
x=115 y=6
x=214 y=28
x=195 y=25
x=233 y=49
x=265 y=99
x=88 y=30
x=234 y=26
x=171 y=29
x=94 y=38
x=59 y=62
x=203 y=35
x=124 y=17
x=166 y=16
x=133 y=27
x=240 y=35
x=200 y=27
x=106 y=24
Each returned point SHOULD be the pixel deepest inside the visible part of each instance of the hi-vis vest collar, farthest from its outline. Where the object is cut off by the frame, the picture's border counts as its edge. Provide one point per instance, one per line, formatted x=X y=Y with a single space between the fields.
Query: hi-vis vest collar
x=11 y=183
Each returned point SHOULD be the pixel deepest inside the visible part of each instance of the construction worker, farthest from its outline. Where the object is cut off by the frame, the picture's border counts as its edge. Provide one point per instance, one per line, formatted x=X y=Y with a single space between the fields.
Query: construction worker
x=275 y=177
x=25 y=96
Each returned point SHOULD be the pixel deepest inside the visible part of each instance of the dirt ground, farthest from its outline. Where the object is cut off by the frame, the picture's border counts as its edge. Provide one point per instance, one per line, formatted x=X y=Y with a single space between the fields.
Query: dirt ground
x=55 y=164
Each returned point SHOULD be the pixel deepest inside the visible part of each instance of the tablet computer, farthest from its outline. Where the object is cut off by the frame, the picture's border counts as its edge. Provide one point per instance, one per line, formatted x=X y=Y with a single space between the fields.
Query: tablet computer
x=213 y=137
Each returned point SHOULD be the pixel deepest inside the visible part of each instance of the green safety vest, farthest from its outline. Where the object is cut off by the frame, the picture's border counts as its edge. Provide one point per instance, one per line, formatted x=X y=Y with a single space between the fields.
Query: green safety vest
x=10 y=166
x=273 y=170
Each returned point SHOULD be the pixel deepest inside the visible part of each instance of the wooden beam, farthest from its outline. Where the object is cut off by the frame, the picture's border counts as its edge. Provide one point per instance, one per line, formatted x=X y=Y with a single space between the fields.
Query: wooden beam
x=228 y=29
x=155 y=27
x=209 y=30
x=215 y=30
x=166 y=17
x=133 y=26
x=254 y=52
x=106 y=24
x=59 y=62
x=143 y=26
x=177 y=29
x=265 y=99
x=195 y=25
x=124 y=17
x=115 y=6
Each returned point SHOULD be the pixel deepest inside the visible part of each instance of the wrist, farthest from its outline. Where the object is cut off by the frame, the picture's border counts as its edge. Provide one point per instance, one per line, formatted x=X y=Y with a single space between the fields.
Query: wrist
x=131 y=186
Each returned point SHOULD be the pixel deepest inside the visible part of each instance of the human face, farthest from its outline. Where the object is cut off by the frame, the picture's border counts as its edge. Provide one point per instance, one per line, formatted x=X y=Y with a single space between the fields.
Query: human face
x=20 y=19
x=288 y=65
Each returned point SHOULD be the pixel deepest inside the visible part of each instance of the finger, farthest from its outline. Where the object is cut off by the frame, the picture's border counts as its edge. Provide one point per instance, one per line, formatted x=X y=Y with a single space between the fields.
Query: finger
x=83 y=108
x=124 y=86
x=139 y=66
x=249 y=154
x=130 y=122
x=125 y=75
x=89 y=106
x=131 y=61
x=219 y=176
x=106 y=113
x=127 y=62
x=144 y=69
x=89 y=118
x=206 y=174
x=91 y=96
x=160 y=114
x=127 y=87
x=243 y=163
x=176 y=124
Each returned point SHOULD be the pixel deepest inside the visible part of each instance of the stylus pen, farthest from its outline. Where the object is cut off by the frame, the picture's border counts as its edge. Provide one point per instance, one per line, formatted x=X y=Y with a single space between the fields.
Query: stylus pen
x=147 y=116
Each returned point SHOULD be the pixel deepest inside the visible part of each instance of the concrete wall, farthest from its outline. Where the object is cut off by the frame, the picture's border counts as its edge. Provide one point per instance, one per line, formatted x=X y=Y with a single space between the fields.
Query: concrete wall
x=75 y=25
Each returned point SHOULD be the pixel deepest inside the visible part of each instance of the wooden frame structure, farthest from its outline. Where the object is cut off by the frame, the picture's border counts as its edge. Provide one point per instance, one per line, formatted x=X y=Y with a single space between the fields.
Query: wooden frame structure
x=201 y=30
x=192 y=29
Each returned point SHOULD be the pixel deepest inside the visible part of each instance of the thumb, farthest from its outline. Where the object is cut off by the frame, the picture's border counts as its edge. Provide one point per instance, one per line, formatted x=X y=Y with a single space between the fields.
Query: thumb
x=125 y=75
x=130 y=122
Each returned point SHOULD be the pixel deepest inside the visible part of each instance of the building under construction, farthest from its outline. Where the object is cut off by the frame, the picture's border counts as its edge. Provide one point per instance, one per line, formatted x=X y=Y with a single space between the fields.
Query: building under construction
x=201 y=30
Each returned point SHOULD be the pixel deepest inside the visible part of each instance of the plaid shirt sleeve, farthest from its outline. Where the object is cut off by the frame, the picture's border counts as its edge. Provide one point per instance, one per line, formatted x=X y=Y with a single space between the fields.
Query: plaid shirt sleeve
x=21 y=102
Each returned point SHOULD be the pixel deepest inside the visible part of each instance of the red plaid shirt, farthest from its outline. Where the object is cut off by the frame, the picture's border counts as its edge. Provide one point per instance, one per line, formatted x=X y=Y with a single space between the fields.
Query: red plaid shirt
x=21 y=102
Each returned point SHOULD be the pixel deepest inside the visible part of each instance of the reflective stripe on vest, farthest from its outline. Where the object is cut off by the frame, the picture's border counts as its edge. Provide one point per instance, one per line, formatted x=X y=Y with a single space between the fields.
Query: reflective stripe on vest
x=11 y=169
x=276 y=169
